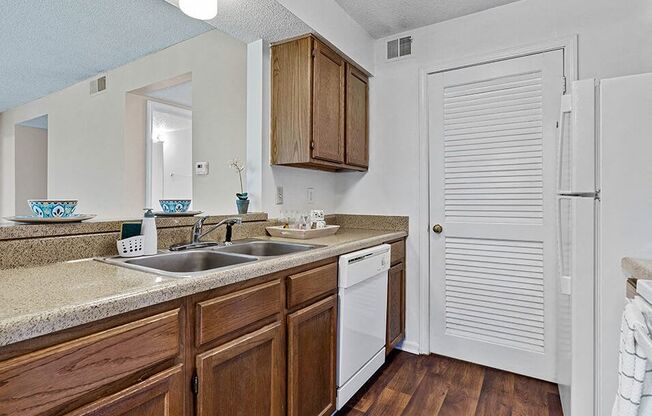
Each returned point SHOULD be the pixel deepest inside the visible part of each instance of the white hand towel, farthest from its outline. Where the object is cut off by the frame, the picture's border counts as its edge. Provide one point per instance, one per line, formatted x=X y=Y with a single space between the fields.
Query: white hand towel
x=634 y=396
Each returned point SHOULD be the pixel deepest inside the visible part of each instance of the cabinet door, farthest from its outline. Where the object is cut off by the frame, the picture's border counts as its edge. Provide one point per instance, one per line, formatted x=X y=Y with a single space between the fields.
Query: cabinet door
x=327 y=104
x=243 y=377
x=357 y=107
x=312 y=355
x=158 y=395
x=395 y=306
x=55 y=377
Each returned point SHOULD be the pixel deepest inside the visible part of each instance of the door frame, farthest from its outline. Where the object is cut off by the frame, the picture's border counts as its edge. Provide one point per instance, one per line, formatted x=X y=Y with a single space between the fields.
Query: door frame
x=156 y=105
x=567 y=44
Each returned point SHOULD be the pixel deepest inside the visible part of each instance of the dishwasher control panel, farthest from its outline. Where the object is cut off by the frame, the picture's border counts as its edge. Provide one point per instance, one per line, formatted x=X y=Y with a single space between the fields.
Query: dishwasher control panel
x=363 y=264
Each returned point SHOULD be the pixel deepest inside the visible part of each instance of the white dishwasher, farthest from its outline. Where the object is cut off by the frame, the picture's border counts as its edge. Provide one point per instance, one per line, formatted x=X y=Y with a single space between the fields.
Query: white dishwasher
x=362 y=318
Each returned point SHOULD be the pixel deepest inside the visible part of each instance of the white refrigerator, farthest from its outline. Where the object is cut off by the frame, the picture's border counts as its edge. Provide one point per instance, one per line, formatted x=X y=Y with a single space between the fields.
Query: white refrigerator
x=604 y=214
x=578 y=205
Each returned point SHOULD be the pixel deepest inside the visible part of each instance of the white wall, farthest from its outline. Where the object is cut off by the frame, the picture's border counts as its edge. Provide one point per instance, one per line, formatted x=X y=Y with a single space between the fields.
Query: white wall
x=31 y=166
x=391 y=186
x=94 y=159
x=613 y=40
x=134 y=130
x=256 y=106
x=328 y=19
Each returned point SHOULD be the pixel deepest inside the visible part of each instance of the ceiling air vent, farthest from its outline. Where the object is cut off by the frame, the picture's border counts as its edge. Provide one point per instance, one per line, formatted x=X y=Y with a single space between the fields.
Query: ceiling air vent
x=399 y=48
x=98 y=85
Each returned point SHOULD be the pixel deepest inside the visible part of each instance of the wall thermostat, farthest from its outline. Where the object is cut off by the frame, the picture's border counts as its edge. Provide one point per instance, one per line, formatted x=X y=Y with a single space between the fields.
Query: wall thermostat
x=201 y=168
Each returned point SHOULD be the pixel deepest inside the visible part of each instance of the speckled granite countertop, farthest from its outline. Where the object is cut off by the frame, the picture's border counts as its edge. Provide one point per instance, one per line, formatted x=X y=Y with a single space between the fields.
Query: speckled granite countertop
x=637 y=268
x=35 y=301
x=634 y=270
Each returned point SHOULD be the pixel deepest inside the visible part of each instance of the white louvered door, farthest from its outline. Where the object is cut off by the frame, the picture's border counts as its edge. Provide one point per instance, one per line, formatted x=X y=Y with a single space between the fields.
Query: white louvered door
x=492 y=188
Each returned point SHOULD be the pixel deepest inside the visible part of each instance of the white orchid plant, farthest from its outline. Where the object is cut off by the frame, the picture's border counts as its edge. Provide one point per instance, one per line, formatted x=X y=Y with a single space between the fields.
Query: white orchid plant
x=239 y=166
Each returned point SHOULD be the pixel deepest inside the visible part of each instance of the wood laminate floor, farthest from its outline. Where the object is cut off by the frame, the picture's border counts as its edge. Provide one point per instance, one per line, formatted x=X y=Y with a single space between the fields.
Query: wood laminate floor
x=415 y=385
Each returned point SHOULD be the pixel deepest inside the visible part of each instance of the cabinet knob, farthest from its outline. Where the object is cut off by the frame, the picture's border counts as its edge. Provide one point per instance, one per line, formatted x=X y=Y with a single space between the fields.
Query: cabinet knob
x=437 y=228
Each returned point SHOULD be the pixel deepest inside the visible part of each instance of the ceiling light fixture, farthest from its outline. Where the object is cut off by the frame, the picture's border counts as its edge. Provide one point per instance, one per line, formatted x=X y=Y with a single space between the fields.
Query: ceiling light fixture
x=199 y=9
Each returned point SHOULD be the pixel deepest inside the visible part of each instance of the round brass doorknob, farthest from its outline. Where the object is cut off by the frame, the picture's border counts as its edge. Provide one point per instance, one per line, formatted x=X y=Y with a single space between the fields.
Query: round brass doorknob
x=437 y=228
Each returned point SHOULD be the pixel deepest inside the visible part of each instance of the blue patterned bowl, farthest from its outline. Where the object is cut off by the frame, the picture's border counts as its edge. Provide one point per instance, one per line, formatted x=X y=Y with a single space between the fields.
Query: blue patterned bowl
x=171 y=206
x=52 y=208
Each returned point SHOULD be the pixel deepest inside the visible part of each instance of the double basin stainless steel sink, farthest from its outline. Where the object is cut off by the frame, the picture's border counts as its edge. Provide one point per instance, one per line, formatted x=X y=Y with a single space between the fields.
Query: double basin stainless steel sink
x=201 y=261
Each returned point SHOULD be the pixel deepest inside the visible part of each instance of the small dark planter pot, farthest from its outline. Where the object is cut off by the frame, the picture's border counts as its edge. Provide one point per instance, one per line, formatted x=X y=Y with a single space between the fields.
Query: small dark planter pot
x=243 y=205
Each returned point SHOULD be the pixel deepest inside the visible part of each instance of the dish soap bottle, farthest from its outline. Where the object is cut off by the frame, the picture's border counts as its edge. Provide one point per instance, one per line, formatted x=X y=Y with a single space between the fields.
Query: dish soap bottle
x=150 y=238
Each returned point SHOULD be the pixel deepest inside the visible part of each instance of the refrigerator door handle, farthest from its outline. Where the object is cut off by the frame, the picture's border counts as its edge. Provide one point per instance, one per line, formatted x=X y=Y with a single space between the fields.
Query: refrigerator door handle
x=594 y=195
x=564 y=280
x=566 y=107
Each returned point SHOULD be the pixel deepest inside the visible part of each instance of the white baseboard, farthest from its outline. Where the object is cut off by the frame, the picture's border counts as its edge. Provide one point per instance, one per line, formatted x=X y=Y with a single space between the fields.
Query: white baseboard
x=409 y=346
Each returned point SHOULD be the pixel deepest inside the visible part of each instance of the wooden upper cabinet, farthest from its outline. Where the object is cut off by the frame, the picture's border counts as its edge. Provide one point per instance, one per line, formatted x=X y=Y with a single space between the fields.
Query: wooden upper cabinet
x=327 y=104
x=319 y=107
x=357 y=117
x=291 y=113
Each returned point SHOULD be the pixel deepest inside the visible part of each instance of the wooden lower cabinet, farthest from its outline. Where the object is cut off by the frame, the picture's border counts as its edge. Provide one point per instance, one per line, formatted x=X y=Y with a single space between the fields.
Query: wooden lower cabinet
x=266 y=347
x=243 y=377
x=159 y=395
x=395 y=306
x=312 y=359
x=44 y=381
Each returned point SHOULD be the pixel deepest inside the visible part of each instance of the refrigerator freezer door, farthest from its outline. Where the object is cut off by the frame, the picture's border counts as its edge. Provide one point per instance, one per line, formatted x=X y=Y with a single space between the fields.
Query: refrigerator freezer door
x=583 y=177
x=564 y=149
x=577 y=140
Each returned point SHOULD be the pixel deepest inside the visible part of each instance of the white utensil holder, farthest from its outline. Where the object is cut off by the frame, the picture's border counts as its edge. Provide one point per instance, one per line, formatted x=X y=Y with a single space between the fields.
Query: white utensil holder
x=131 y=247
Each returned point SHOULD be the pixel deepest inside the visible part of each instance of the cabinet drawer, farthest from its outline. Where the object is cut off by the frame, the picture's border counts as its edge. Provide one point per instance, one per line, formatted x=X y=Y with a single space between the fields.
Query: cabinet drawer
x=224 y=314
x=397 y=251
x=310 y=284
x=38 y=382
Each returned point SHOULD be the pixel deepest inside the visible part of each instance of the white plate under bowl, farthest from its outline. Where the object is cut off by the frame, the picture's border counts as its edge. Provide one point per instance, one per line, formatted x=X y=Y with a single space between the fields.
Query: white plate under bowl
x=33 y=219
x=177 y=214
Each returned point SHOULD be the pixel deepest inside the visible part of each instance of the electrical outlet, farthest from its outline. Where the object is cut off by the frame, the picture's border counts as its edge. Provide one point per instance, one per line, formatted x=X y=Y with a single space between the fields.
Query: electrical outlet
x=310 y=194
x=279 y=195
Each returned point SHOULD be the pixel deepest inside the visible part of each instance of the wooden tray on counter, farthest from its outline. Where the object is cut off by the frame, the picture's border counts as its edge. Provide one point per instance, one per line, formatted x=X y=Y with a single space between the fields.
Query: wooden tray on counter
x=279 y=231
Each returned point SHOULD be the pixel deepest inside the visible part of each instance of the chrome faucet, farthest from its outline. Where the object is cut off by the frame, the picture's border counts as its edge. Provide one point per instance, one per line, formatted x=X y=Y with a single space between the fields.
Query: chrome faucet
x=198 y=233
